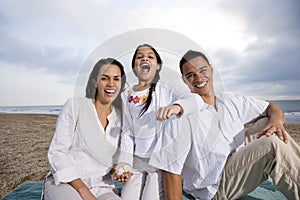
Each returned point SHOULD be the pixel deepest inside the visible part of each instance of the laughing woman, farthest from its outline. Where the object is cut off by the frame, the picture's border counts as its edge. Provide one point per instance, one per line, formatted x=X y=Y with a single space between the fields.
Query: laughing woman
x=84 y=147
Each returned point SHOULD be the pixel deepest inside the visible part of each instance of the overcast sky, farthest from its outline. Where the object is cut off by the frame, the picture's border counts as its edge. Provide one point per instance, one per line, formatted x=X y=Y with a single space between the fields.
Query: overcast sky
x=254 y=45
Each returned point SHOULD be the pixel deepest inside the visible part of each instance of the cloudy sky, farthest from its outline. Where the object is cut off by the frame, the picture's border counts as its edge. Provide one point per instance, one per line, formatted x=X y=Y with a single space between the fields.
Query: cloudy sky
x=254 y=45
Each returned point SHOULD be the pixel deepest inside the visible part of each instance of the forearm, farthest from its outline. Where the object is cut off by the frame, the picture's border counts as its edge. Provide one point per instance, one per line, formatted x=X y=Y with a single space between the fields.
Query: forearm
x=275 y=113
x=82 y=189
x=172 y=186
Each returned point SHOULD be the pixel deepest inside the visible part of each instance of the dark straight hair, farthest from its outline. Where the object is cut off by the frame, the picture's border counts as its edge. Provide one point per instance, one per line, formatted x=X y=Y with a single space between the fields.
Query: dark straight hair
x=155 y=79
x=189 y=56
x=91 y=88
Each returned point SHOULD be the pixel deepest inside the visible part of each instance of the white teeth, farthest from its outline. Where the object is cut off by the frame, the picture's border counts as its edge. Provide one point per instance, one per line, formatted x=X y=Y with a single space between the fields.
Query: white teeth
x=110 y=91
x=145 y=65
x=200 y=85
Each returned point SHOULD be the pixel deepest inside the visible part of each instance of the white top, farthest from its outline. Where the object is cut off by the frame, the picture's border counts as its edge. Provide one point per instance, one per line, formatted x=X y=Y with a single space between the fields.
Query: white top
x=204 y=141
x=81 y=148
x=140 y=134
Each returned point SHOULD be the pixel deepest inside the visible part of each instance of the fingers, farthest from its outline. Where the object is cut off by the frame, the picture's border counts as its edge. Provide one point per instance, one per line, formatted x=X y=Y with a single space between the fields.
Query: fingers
x=122 y=178
x=282 y=135
x=273 y=129
x=263 y=132
x=166 y=112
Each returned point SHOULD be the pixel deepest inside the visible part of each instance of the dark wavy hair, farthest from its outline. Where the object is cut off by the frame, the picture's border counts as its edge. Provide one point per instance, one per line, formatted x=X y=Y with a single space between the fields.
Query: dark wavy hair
x=91 y=88
x=155 y=79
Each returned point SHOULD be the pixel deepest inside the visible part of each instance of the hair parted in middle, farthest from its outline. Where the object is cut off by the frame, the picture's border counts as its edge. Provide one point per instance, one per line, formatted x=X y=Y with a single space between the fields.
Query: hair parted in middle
x=155 y=79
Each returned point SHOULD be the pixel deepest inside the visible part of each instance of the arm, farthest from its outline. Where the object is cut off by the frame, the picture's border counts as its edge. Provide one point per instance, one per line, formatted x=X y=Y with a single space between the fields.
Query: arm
x=180 y=101
x=275 y=125
x=167 y=111
x=172 y=186
x=125 y=160
x=62 y=167
x=82 y=189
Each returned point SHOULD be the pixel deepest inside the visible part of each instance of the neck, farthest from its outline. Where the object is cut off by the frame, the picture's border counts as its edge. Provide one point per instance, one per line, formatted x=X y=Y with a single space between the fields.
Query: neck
x=209 y=99
x=103 y=108
x=142 y=85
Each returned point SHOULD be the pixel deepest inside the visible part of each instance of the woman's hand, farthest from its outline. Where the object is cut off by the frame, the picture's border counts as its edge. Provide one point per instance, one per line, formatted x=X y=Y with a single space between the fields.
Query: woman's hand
x=122 y=172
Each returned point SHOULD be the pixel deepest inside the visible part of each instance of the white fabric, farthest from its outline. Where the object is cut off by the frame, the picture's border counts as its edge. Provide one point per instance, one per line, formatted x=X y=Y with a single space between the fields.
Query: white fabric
x=146 y=185
x=199 y=148
x=81 y=148
x=140 y=134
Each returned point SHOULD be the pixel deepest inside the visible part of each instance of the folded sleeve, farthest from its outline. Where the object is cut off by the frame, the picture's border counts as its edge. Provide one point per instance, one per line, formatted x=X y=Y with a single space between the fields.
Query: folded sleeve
x=127 y=138
x=59 y=157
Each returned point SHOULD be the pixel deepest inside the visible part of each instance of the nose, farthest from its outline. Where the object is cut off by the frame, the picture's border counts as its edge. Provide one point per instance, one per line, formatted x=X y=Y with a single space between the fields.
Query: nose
x=144 y=59
x=199 y=77
x=111 y=82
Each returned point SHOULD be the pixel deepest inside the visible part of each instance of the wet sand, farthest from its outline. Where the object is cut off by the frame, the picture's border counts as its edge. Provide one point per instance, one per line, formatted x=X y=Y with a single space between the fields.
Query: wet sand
x=24 y=142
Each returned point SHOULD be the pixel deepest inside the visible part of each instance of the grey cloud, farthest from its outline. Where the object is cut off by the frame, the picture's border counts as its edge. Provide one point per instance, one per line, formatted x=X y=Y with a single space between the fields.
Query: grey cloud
x=270 y=65
x=27 y=53
x=269 y=17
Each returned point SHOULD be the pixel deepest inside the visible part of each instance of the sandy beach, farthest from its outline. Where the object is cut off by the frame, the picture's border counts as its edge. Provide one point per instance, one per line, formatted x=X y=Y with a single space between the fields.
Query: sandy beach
x=25 y=139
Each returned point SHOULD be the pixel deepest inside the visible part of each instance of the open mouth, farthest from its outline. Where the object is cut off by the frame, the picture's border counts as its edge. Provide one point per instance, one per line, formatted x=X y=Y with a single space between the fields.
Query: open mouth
x=145 y=68
x=200 y=85
x=109 y=91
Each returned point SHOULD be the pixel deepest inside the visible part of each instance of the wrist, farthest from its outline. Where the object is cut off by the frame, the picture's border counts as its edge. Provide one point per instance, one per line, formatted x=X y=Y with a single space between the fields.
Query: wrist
x=178 y=108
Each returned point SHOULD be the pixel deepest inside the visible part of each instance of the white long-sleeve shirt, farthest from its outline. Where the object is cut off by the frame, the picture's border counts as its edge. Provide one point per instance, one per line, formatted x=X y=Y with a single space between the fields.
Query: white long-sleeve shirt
x=203 y=142
x=81 y=148
x=140 y=134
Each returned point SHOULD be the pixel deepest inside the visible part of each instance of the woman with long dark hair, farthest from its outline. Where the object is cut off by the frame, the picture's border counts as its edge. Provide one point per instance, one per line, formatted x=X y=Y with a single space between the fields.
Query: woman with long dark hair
x=84 y=147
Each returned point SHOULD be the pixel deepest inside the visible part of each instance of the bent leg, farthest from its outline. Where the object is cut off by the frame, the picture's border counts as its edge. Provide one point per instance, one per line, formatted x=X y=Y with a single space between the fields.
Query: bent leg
x=250 y=166
x=133 y=187
x=153 y=189
x=59 y=192
x=109 y=196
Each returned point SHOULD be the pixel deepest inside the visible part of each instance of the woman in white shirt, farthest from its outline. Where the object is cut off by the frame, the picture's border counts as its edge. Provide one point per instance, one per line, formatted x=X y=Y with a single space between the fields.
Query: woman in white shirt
x=84 y=147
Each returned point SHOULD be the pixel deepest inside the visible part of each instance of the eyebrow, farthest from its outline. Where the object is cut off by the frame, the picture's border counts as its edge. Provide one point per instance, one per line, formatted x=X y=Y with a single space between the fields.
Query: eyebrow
x=199 y=69
x=110 y=76
x=148 y=52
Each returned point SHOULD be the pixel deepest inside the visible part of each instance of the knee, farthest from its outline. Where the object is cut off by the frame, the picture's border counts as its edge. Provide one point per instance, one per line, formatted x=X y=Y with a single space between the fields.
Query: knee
x=273 y=142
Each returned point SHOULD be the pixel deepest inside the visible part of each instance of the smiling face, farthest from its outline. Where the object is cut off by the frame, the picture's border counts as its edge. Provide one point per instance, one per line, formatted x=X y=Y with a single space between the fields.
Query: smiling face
x=145 y=64
x=198 y=75
x=108 y=84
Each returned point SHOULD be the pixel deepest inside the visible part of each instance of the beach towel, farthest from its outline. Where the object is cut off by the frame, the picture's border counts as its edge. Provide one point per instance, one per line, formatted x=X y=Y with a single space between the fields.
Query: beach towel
x=33 y=191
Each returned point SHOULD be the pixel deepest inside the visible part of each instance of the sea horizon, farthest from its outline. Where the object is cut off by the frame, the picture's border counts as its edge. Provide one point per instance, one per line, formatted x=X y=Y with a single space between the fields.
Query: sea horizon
x=291 y=109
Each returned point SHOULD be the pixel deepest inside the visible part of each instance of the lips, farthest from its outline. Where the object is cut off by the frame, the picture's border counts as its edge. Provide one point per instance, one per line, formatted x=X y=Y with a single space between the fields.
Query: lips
x=145 y=68
x=200 y=85
x=110 y=91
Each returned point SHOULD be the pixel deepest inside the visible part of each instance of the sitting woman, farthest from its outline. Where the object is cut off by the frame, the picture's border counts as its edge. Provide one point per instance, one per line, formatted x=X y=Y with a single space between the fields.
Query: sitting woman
x=84 y=147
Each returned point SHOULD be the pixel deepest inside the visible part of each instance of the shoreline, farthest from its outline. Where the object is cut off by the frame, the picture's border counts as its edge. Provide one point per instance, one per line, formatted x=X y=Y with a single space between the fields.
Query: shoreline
x=25 y=139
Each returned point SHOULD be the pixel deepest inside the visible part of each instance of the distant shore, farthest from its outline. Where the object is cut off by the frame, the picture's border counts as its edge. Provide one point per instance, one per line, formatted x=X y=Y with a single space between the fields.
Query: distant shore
x=24 y=141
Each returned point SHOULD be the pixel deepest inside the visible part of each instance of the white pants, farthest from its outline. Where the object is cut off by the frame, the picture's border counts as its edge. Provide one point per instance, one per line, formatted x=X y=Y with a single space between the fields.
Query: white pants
x=66 y=191
x=143 y=186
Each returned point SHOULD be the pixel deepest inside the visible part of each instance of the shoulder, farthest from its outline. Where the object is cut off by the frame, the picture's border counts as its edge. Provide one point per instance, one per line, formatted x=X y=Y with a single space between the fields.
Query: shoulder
x=127 y=91
x=228 y=97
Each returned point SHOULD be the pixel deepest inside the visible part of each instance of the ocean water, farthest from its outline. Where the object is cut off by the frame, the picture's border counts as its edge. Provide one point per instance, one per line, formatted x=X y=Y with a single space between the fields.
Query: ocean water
x=291 y=109
x=54 y=110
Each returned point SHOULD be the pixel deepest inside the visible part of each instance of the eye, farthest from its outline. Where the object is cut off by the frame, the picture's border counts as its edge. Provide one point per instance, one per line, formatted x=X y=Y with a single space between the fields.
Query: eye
x=103 y=78
x=190 y=75
x=117 y=78
x=202 y=71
